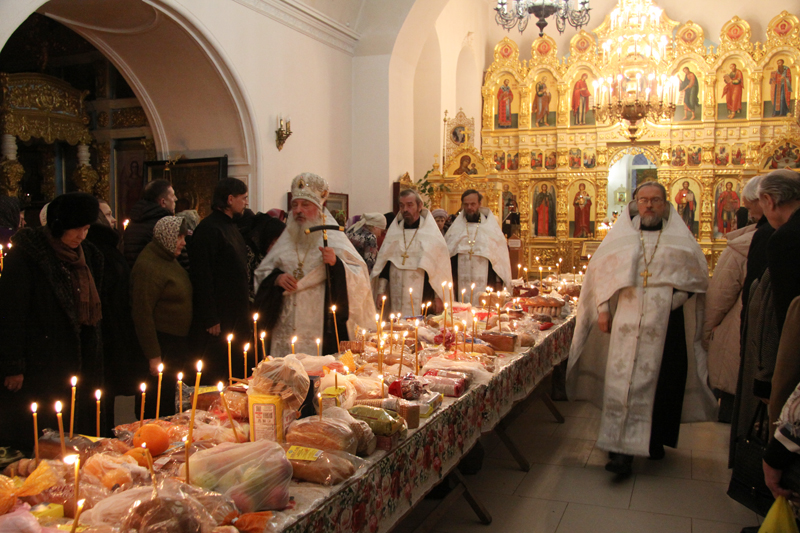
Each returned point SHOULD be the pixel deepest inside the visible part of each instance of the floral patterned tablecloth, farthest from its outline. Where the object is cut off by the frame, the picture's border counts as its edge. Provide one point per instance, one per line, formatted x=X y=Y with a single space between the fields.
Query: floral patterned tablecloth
x=392 y=483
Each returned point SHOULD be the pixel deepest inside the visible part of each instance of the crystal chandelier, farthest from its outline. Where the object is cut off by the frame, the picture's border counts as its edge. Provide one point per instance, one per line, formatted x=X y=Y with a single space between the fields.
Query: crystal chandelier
x=635 y=87
x=576 y=12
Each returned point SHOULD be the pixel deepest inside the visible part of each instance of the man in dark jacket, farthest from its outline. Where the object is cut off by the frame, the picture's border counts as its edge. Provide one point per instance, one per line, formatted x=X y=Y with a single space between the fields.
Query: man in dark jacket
x=218 y=259
x=157 y=202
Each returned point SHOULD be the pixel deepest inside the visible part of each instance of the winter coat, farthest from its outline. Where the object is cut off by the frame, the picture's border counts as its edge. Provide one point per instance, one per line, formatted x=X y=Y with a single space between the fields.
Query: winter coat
x=723 y=311
x=787 y=365
x=783 y=256
x=139 y=233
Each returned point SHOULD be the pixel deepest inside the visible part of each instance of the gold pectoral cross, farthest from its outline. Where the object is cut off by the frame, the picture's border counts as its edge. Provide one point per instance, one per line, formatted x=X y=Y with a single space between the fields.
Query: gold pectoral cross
x=645 y=275
x=404 y=255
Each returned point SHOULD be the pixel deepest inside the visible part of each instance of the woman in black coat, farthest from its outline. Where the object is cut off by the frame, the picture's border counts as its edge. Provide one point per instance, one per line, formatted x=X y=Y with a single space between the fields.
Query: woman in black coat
x=50 y=314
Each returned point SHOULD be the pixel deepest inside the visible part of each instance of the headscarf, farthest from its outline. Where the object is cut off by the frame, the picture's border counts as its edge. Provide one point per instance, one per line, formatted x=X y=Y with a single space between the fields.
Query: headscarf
x=43 y=214
x=166 y=232
x=375 y=220
x=192 y=218
x=84 y=291
x=439 y=213
x=9 y=212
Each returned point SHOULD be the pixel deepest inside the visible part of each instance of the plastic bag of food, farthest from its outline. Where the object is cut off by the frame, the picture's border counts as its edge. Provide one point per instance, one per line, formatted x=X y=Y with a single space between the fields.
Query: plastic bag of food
x=381 y=421
x=323 y=467
x=8 y=496
x=367 y=387
x=20 y=521
x=218 y=432
x=364 y=435
x=350 y=393
x=168 y=511
x=324 y=434
x=255 y=475
x=452 y=387
x=473 y=368
x=113 y=471
x=284 y=377
x=314 y=364
x=408 y=387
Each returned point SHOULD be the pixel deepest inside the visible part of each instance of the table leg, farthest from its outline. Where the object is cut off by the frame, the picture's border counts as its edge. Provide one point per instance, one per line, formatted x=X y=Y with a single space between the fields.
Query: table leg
x=460 y=489
x=523 y=463
x=552 y=407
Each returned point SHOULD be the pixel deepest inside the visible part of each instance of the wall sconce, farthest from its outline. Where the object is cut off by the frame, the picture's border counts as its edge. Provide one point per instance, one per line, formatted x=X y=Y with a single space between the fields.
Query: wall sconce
x=282 y=133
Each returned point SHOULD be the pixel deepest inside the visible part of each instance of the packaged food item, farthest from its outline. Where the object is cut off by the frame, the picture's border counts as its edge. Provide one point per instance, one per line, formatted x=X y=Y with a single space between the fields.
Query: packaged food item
x=269 y=417
x=333 y=397
x=283 y=376
x=113 y=471
x=381 y=421
x=255 y=475
x=314 y=364
x=450 y=374
x=453 y=387
x=429 y=403
x=407 y=388
x=362 y=431
x=320 y=466
x=325 y=434
x=503 y=342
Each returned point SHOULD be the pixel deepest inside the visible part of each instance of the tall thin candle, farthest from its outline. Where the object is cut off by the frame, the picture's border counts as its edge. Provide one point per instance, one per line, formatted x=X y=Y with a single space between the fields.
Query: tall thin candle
x=335 y=326
x=75 y=461
x=411 y=299
x=158 y=391
x=463 y=293
x=143 y=388
x=220 y=386
x=194 y=409
x=294 y=340
x=474 y=330
x=180 y=392
x=255 y=338
x=416 y=348
x=97 y=394
x=319 y=401
x=246 y=349
x=464 y=323
x=75 y=520
x=74 y=382
x=383 y=303
x=318 y=341
x=263 y=349
x=471 y=293
x=230 y=367
x=61 y=429
x=34 y=408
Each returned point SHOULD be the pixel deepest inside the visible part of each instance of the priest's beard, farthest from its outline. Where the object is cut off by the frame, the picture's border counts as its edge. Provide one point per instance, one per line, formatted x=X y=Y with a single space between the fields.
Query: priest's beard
x=650 y=221
x=297 y=230
x=474 y=217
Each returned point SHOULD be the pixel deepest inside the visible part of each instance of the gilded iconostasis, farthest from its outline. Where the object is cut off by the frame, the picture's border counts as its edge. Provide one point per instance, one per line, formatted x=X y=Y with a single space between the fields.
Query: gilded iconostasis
x=701 y=120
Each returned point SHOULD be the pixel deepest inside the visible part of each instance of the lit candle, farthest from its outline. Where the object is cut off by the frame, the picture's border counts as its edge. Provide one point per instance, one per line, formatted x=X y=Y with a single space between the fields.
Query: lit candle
x=383 y=303
x=402 y=354
x=381 y=376
x=463 y=293
x=335 y=327
x=411 y=299
x=149 y=458
x=519 y=269
x=450 y=289
x=61 y=429
x=158 y=390
x=255 y=339
x=246 y=349
x=474 y=330
x=227 y=410
x=180 y=392
x=380 y=356
x=525 y=281
x=464 y=323
x=75 y=460
x=97 y=394
x=125 y=224
x=263 y=349
x=143 y=388
x=445 y=316
x=444 y=293
x=455 y=339
x=378 y=323
x=230 y=368
x=74 y=382
x=416 y=349
x=294 y=340
x=319 y=400
x=78 y=511
x=335 y=379
x=318 y=341
x=540 y=277
x=191 y=418
x=34 y=408
x=471 y=293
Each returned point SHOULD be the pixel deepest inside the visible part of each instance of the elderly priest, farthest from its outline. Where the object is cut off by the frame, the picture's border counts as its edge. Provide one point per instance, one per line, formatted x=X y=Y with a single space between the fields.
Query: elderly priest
x=300 y=279
x=413 y=256
x=636 y=350
x=477 y=248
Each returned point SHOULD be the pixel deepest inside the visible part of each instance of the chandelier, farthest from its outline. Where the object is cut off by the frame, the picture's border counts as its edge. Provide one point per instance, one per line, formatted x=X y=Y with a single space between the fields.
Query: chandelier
x=576 y=12
x=635 y=86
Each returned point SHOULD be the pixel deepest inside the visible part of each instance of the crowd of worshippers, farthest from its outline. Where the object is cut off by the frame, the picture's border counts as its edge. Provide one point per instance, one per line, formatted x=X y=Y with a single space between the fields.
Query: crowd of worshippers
x=79 y=297
x=657 y=343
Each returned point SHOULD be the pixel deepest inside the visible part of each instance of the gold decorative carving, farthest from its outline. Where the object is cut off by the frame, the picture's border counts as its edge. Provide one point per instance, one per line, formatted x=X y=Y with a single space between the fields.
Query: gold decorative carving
x=102 y=119
x=102 y=189
x=735 y=35
x=783 y=31
x=85 y=178
x=128 y=117
x=689 y=39
x=11 y=173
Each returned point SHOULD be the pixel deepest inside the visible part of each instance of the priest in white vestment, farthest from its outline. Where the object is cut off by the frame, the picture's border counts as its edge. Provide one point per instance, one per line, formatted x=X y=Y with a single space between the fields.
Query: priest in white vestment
x=636 y=351
x=478 y=250
x=413 y=256
x=293 y=293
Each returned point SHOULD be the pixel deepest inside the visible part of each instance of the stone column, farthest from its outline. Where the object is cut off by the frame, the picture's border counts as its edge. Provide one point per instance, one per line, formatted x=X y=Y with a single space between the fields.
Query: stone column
x=11 y=170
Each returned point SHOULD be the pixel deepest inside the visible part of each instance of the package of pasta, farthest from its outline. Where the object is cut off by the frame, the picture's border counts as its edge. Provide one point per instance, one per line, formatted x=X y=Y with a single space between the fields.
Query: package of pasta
x=282 y=376
x=382 y=422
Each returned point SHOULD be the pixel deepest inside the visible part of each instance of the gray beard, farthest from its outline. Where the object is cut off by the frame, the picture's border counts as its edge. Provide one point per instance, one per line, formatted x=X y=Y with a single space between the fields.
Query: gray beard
x=650 y=220
x=298 y=231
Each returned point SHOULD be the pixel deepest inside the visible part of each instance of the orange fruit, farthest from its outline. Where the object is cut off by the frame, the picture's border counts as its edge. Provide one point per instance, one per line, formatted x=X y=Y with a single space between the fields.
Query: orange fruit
x=154 y=437
x=138 y=454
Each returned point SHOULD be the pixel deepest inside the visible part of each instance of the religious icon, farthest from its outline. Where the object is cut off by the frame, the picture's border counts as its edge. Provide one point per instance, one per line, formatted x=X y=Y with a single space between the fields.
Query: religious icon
x=727 y=202
x=575 y=158
x=695 y=156
x=732 y=92
x=678 y=157
x=582 y=203
x=458 y=135
x=722 y=156
x=504 y=98
x=691 y=92
x=537 y=159
x=589 y=158
x=513 y=161
x=784 y=156
x=580 y=100
x=499 y=161
x=544 y=211
x=541 y=103
x=686 y=205
x=509 y=200
x=781 y=89
x=550 y=160
x=737 y=154
x=463 y=166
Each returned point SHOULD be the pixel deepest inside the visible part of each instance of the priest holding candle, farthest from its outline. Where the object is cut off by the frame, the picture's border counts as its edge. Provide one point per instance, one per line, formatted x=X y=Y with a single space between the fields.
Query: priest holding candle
x=413 y=256
x=303 y=276
x=477 y=247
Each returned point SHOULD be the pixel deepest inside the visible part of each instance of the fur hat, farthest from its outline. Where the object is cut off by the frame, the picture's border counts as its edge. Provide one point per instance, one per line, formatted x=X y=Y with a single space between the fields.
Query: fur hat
x=308 y=186
x=70 y=211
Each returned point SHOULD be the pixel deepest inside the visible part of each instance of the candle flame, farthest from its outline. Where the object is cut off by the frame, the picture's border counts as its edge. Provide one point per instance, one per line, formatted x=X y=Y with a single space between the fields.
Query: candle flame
x=255 y=317
x=70 y=459
x=319 y=395
x=391 y=317
x=74 y=380
x=346 y=370
x=246 y=347
x=58 y=407
x=444 y=284
x=318 y=341
x=80 y=504
x=384 y=298
x=34 y=407
x=410 y=290
x=160 y=367
x=220 y=386
x=230 y=337
x=200 y=365
x=180 y=376
x=333 y=308
x=97 y=394
x=263 y=334
x=377 y=316
x=294 y=340
x=416 y=323
x=143 y=387
x=450 y=285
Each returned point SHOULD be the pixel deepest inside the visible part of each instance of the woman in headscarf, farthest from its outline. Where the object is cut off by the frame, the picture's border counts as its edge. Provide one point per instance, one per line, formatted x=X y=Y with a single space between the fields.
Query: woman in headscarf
x=364 y=235
x=50 y=312
x=161 y=301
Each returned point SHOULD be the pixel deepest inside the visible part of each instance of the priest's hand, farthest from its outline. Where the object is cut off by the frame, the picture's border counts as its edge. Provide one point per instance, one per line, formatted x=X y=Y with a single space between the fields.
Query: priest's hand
x=604 y=321
x=14 y=383
x=214 y=330
x=286 y=282
x=328 y=255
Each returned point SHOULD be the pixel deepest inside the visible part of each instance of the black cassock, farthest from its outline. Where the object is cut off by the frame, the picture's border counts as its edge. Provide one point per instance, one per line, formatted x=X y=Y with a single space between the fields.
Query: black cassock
x=671 y=384
x=269 y=301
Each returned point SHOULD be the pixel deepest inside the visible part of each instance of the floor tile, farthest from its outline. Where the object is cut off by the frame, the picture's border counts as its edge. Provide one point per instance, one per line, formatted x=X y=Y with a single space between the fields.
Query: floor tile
x=707 y=436
x=710 y=466
x=509 y=513
x=708 y=526
x=579 y=518
x=676 y=463
x=548 y=450
x=578 y=428
x=687 y=497
x=497 y=476
x=579 y=408
x=591 y=485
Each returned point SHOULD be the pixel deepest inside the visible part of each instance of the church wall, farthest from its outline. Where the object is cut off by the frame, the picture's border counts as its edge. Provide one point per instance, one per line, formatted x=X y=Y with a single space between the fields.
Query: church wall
x=427 y=106
x=619 y=176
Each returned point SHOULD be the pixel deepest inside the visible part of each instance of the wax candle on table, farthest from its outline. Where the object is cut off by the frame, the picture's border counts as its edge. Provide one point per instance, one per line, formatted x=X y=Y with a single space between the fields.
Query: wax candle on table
x=381 y=376
x=319 y=400
x=61 y=429
x=471 y=293
x=377 y=324
x=1 y=257
x=294 y=340
x=402 y=354
x=255 y=338
x=246 y=349
x=143 y=388
x=318 y=341
x=416 y=348
x=220 y=386
x=180 y=392
x=263 y=349
x=230 y=367
x=445 y=317
x=411 y=298
x=455 y=339
x=335 y=379
x=78 y=513
x=463 y=293
x=540 y=277
x=519 y=269
x=450 y=289
x=380 y=356
x=158 y=391
x=464 y=323
x=191 y=418
x=75 y=460
x=474 y=329
x=383 y=303
x=34 y=408
x=74 y=382
x=335 y=327
x=97 y=394
x=149 y=458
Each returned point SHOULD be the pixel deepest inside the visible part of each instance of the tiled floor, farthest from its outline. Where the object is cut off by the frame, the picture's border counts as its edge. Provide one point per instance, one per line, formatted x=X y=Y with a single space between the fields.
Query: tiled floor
x=568 y=490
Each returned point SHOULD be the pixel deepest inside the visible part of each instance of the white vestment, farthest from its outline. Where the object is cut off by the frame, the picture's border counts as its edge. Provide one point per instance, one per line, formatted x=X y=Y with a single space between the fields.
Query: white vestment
x=302 y=313
x=412 y=253
x=478 y=245
x=622 y=380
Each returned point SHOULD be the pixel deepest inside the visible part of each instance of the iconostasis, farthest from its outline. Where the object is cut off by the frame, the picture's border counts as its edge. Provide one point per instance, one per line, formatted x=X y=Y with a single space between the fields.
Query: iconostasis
x=732 y=116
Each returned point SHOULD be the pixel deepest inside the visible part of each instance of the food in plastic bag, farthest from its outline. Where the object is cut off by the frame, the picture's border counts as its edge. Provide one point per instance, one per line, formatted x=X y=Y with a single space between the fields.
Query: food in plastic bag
x=366 y=386
x=381 y=421
x=350 y=393
x=284 y=377
x=408 y=388
x=314 y=364
x=113 y=471
x=165 y=513
x=364 y=435
x=325 y=434
x=319 y=466
x=453 y=387
x=20 y=521
x=255 y=475
x=21 y=468
x=50 y=444
x=8 y=497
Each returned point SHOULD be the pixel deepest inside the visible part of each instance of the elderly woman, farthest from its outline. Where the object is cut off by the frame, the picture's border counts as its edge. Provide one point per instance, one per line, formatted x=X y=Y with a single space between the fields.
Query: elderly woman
x=440 y=216
x=724 y=306
x=161 y=302
x=365 y=234
x=50 y=312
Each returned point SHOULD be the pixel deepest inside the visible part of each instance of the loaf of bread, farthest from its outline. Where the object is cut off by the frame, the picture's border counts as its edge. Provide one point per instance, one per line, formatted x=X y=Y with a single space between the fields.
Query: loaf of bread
x=502 y=342
x=326 y=467
x=359 y=428
x=325 y=434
